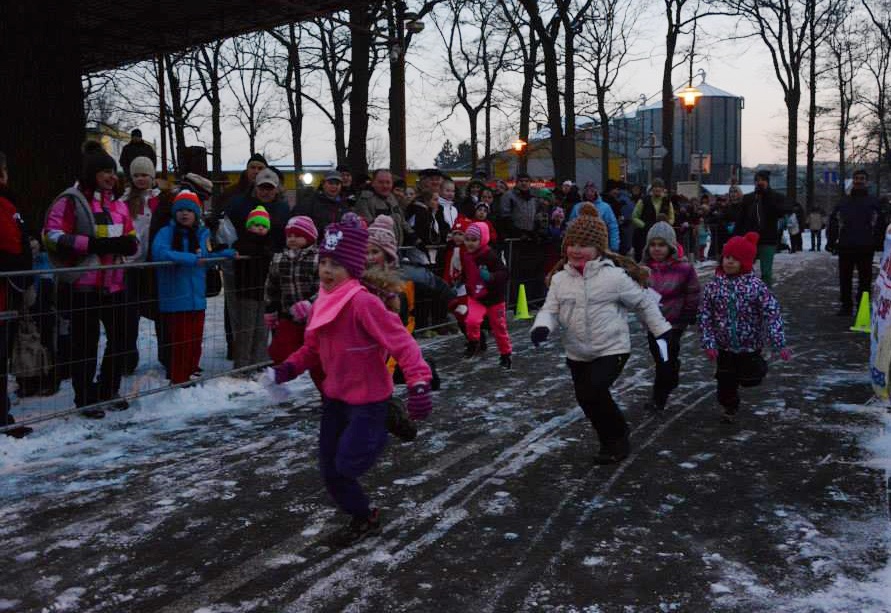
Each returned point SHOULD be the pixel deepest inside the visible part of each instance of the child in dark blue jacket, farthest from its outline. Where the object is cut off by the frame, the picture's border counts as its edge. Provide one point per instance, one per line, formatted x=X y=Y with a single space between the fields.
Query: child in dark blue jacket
x=182 y=287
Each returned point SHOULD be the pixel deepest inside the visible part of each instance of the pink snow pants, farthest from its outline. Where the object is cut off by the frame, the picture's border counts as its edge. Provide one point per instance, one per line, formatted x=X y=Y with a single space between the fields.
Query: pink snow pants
x=497 y=314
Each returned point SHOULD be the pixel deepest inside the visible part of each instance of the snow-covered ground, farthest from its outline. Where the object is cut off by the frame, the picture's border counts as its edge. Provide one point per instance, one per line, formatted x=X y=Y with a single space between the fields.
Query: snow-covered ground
x=207 y=498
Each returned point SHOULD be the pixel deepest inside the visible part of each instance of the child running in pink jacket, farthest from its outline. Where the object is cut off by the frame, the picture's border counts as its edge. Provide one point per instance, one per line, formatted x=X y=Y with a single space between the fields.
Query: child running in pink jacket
x=350 y=334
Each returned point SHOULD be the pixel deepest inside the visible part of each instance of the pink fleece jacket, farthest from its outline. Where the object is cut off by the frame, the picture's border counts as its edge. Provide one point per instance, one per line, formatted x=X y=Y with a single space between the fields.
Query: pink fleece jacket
x=353 y=348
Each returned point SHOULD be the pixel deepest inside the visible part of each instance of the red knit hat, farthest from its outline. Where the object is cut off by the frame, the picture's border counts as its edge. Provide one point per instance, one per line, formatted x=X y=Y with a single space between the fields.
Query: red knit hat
x=743 y=249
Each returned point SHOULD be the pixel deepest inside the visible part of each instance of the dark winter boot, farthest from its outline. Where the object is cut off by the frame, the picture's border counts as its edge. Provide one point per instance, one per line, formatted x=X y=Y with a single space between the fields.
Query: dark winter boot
x=18 y=431
x=119 y=404
x=398 y=423
x=434 y=375
x=356 y=530
x=482 y=341
x=472 y=350
x=729 y=415
x=93 y=413
x=614 y=452
x=505 y=361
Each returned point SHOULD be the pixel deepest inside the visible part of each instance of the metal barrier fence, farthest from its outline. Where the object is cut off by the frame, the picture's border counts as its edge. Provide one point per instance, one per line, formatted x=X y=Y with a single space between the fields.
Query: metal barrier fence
x=60 y=338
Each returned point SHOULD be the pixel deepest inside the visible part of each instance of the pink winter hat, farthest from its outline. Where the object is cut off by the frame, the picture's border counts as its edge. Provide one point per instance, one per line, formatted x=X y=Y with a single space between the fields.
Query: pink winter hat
x=381 y=235
x=479 y=231
x=302 y=226
x=346 y=243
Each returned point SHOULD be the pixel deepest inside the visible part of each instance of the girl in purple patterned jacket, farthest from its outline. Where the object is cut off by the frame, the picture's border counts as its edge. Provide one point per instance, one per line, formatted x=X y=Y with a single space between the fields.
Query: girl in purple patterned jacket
x=675 y=280
x=735 y=309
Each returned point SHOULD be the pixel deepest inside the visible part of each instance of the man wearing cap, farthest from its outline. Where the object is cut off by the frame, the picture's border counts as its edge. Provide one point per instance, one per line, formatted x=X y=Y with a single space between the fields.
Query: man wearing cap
x=134 y=149
x=761 y=212
x=327 y=205
x=266 y=194
x=379 y=200
x=430 y=180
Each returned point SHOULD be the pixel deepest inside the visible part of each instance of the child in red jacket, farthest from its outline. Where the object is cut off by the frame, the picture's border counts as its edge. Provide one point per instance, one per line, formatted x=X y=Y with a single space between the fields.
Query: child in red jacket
x=485 y=276
x=350 y=333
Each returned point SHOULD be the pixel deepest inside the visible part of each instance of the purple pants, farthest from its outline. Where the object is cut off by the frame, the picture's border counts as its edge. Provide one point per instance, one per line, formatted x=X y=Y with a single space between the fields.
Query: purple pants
x=351 y=438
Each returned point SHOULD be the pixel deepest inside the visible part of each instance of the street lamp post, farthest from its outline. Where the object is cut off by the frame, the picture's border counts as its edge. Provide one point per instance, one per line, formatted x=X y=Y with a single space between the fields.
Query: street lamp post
x=520 y=146
x=689 y=96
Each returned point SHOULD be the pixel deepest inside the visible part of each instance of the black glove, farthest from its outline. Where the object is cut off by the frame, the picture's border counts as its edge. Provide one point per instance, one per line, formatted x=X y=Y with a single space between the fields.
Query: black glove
x=118 y=245
x=539 y=335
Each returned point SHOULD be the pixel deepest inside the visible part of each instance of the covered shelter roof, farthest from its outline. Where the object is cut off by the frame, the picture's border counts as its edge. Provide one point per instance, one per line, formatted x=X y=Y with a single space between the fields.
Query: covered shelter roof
x=132 y=30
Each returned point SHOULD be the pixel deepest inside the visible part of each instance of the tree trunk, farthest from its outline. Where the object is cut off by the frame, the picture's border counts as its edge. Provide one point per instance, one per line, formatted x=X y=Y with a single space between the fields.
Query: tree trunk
x=295 y=98
x=397 y=93
x=216 y=126
x=811 y=120
x=604 y=140
x=360 y=23
x=671 y=40
x=474 y=138
x=569 y=106
x=339 y=136
x=793 y=101
x=526 y=96
x=487 y=148
x=43 y=124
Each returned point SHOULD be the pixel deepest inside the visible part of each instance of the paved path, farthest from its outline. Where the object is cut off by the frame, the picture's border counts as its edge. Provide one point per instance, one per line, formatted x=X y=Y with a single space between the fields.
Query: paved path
x=496 y=506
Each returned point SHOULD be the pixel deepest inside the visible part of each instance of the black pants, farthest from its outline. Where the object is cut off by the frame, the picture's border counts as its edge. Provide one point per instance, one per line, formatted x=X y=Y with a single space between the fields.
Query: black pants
x=527 y=268
x=816 y=240
x=848 y=260
x=667 y=373
x=87 y=309
x=734 y=370
x=796 y=243
x=137 y=301
x=592 y=381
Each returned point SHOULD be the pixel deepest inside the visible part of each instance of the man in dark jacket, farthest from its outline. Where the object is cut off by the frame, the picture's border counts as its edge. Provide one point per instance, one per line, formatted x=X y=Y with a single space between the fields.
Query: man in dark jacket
x=266 y=195
x=761 y=212
x=379 y=200
x=134 y=149
x=15 y=254
x=853 y=226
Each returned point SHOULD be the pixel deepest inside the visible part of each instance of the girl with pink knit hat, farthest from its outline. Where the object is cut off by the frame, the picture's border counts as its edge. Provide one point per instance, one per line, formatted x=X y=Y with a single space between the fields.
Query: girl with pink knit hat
x=350 y=334
x=485 y=278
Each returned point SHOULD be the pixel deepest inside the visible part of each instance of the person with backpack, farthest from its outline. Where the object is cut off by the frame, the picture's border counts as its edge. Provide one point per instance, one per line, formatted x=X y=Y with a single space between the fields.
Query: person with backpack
x=87 y=226
x=15 y=254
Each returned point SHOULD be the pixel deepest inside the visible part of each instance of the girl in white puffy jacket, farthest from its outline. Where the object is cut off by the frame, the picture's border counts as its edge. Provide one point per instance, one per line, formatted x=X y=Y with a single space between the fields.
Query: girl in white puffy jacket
x=589 y=297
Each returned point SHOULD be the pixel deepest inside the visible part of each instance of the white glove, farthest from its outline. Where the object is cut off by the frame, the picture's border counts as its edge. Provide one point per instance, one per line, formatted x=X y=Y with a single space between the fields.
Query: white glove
x=276 y=392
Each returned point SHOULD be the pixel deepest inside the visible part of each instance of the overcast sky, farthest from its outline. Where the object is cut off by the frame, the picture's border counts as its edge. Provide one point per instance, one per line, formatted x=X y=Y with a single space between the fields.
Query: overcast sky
x=741 y=67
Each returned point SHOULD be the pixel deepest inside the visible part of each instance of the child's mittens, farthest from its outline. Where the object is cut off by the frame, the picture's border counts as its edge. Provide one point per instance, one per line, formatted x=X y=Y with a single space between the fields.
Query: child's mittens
x=268 y=381
x=712 y=354
x=540 y=335
x=485 y=274
x=785 y=354
x=271 y=320
x=283 y=372
x=420 y=402
x=300 y=311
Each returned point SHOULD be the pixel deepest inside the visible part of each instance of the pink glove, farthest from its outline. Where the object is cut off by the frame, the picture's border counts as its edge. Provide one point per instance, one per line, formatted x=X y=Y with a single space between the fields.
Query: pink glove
x=712 y=354
x=419 y=402
x=271 y=320
x=785 y=354
x=300 y=311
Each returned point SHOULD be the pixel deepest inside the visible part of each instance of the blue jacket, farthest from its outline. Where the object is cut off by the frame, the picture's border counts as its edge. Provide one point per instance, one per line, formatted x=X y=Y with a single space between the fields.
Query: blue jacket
x=182 y=287
x=609 y=218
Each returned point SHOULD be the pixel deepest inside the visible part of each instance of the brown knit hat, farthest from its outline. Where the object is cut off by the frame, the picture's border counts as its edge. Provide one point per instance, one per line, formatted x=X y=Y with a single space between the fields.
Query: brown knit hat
x=587 y=230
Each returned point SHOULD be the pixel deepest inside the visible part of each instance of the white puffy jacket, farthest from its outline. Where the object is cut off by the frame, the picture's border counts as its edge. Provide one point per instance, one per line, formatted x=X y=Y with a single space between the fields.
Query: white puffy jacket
x=593 y=310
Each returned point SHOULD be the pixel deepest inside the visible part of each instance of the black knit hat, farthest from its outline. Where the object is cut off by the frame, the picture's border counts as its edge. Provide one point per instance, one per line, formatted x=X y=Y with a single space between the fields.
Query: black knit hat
x=257 y=158
x=95 y=159
x=763 y=174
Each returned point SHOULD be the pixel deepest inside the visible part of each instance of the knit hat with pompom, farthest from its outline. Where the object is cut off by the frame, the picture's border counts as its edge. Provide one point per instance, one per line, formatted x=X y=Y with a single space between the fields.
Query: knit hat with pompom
x=743 y=249
x=587 y=230
x=301 y=225
x=346 y=243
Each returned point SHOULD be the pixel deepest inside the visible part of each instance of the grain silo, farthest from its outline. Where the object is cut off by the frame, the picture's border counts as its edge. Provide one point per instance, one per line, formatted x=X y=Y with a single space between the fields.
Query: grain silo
x=716 y=125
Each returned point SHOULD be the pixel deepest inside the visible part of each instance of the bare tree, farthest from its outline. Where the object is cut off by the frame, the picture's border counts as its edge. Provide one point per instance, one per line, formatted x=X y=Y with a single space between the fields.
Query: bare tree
x=287 y=72
x=212 y=71
x=876 y=145
x=844 y=47
x=249 y=85
x=784 y=26
x=526 y=54
x=468 y=29
x=566 y=17
x=604 y=53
